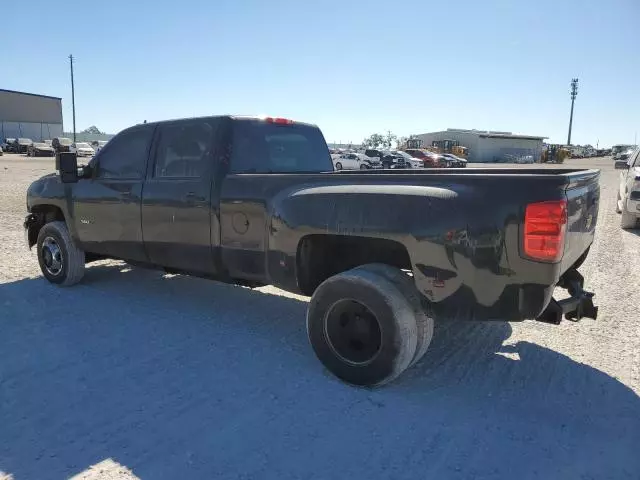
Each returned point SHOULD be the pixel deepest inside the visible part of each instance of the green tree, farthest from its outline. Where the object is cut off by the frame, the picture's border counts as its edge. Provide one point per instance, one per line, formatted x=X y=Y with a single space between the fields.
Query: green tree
x=389 y=138
x=374 y=141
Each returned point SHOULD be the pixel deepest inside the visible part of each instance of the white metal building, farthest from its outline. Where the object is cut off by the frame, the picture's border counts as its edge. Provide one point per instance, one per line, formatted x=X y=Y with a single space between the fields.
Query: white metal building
x=28 y=115
x=490 y=146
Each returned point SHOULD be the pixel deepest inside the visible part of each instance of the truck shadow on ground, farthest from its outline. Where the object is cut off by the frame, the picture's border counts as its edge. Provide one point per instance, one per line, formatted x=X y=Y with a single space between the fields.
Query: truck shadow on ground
x=176 y=377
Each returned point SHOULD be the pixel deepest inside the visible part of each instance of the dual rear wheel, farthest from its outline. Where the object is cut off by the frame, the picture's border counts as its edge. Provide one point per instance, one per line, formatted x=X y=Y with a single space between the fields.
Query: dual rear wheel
x=367 y=325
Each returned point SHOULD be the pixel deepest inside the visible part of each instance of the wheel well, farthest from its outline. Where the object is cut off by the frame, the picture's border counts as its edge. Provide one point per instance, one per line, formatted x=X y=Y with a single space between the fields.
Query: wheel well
x=42 y=214
x=321 y=256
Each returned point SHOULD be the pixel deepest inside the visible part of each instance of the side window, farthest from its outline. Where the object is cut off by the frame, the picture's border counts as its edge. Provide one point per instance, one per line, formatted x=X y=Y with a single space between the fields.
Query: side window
x=125 y=156
x=184 y=150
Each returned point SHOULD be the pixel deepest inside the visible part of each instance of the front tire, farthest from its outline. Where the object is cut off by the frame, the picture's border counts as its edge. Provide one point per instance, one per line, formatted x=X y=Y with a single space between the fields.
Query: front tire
x=61 y=261
x=363 y=167
x=338 y=166
x=362 y=327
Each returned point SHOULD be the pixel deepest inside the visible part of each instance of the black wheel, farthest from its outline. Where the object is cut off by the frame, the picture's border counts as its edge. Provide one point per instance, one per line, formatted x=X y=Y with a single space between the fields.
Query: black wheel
x=61 y=261
x=424 y=317
x=363 y=167
x=338 y=166
x=362 y=327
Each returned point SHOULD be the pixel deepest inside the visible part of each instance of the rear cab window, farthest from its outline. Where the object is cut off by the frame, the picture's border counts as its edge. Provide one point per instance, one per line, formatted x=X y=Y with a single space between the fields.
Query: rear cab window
x=259 y=146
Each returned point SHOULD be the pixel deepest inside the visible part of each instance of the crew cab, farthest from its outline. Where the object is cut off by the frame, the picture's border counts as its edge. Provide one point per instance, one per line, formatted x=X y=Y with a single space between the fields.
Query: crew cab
x=382 y=253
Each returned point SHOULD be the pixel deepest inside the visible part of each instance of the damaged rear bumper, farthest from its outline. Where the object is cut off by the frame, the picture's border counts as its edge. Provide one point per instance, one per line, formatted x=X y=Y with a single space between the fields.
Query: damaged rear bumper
x=577 y=306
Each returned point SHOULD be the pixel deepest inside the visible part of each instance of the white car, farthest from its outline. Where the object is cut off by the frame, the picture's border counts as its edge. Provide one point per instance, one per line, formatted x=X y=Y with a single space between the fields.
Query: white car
x=355 y=161
x=82 y=149
x=628 y=201
x=411 y=161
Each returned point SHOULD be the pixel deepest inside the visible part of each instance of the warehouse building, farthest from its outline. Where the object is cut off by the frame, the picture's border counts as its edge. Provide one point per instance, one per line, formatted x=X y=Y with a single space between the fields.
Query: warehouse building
x=489 y=146
x=27 y=115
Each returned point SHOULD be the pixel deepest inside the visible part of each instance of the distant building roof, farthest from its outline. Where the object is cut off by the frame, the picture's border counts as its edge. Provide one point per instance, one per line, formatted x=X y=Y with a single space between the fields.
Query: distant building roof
x=490 y=134
x=27 y=93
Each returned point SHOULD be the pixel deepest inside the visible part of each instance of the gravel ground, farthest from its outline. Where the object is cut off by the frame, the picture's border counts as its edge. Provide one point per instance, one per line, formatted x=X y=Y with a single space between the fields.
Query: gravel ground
x=135 y=374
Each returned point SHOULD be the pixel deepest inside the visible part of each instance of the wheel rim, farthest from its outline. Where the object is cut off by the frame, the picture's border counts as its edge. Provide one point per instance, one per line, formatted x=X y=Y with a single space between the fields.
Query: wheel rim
x=52 y=256
x=353 y=332
x=338 y=166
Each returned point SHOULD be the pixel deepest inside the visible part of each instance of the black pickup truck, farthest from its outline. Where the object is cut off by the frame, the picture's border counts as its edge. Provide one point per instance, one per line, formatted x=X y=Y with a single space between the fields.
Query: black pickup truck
x=382 y=254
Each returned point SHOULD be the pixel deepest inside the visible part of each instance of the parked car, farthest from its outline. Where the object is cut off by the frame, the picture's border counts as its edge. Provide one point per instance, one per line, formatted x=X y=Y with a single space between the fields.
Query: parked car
x=48 y=142
x=621 y=159
x=429 y=159
x=8 y=145
x=279 y=215
x=374 y=153
x=40 y=149
x=82 y=149
x=355 y=161
x=61 y=144
x=400 y=159
x=21 y=145
x=628 y=199
x=453 y=161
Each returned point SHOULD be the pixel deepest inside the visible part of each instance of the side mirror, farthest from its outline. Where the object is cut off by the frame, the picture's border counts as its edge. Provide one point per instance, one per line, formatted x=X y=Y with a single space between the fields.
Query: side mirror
x=68 y=166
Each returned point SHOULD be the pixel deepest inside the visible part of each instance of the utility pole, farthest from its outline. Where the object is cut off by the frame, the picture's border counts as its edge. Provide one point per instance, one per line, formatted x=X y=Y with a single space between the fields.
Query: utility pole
x=73 y=99
x=574 y=93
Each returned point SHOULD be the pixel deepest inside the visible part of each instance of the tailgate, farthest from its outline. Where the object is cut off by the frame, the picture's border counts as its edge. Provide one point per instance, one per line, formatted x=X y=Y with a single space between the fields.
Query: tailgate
x=583 y=200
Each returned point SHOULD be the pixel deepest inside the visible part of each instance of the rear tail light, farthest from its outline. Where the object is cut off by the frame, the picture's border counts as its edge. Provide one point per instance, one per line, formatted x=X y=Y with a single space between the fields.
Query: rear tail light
x=545 y=225
x=280 y=121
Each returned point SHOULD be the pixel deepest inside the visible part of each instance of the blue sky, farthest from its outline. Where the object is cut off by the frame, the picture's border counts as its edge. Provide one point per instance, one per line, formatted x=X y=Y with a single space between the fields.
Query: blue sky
x=352 y=67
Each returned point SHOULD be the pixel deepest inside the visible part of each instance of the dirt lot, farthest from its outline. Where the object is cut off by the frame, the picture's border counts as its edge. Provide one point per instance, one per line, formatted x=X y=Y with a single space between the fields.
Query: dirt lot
x=175 y=377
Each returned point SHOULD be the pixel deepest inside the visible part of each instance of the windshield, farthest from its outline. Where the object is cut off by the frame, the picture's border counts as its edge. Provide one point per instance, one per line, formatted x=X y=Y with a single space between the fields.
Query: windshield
x=261 y=147
x=24 y=140
x=65 y=141
x=82 y=145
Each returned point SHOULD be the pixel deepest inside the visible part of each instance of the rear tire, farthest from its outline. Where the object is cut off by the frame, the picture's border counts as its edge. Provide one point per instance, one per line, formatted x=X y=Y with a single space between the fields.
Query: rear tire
x=424 y=318
x=61 y=261
x=362 y=327
x=338 y=166
x=363 y=167
x=627 y=220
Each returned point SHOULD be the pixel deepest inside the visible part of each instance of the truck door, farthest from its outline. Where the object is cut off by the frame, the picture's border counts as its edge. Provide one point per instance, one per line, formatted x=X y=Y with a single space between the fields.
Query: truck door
x=106 y=208
x=177 y=214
